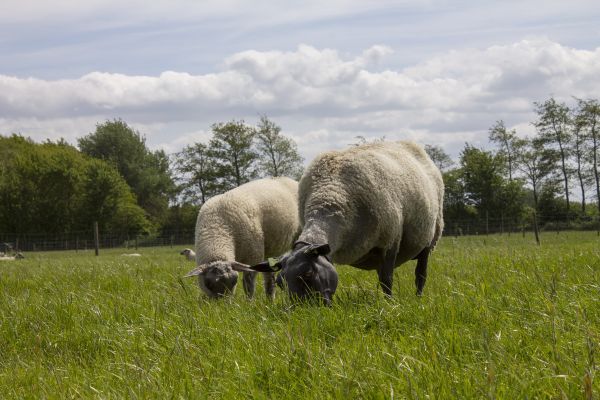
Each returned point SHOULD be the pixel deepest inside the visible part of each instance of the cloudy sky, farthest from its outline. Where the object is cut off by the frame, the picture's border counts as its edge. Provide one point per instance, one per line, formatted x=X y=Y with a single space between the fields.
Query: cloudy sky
x=439 y=72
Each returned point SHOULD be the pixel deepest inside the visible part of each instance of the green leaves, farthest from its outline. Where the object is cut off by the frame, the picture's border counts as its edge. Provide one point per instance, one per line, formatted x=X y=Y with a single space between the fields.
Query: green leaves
x=52 y=188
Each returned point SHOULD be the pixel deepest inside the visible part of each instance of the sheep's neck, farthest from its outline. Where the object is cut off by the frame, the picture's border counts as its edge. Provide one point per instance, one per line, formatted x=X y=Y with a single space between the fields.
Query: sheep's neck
x=321 y=227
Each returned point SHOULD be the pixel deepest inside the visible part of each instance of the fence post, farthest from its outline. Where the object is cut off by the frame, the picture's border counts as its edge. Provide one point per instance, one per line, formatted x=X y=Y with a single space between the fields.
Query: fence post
x=487 y=223
x=96 y=238
x=535 y=228
x=76 y=244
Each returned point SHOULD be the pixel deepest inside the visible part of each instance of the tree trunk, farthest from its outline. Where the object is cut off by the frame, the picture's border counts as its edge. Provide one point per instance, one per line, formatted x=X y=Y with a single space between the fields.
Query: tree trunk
x=564 y=171
x=595 y=156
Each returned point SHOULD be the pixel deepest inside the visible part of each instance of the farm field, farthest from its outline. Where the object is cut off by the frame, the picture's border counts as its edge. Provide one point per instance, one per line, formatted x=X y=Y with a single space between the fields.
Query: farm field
x=500 y=318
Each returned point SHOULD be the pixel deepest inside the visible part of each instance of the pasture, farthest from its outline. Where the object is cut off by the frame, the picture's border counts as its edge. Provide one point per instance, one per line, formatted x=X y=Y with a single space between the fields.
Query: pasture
x=500 y=318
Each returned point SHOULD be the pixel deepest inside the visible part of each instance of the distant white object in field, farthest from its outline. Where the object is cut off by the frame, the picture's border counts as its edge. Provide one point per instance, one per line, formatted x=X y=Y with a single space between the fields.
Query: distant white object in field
x=18 y=256
x=131 y=255
x=189 y=254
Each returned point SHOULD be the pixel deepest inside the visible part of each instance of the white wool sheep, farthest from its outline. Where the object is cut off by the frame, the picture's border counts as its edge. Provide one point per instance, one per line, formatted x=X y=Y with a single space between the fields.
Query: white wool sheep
x=243 y=227
x=189 y=254
x=18 y=256
x=373 y=206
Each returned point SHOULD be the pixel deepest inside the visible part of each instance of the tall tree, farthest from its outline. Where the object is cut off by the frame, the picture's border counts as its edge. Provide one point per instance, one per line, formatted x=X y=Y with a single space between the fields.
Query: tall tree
x=509 y=144
x=589 y=112
x=231 y=149
x=482 y=176
x=197 y=173
x=553 y=127
x=579 y=150
x=278 y=155
x=439 y=156
x=146 y=172
x=537 y=164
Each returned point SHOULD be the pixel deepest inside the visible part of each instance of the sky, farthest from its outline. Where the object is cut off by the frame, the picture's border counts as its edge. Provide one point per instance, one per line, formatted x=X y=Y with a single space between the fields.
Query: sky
x=437 y=72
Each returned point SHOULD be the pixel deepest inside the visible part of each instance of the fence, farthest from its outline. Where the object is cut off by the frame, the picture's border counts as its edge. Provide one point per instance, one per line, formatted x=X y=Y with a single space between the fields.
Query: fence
x=84 y=240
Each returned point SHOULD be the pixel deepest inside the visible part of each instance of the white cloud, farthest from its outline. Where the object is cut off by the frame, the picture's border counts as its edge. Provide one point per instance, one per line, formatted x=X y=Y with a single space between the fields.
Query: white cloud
x=320 y=96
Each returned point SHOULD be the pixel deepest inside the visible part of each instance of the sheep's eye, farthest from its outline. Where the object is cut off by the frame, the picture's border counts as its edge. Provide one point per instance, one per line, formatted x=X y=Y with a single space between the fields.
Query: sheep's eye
x=306 y=275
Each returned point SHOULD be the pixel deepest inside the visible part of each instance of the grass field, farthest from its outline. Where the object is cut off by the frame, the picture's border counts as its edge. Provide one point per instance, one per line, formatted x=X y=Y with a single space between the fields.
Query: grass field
x=500 y=318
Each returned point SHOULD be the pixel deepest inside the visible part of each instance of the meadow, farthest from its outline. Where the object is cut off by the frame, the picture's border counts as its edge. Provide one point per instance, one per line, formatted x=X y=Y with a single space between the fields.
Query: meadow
x=500 y=318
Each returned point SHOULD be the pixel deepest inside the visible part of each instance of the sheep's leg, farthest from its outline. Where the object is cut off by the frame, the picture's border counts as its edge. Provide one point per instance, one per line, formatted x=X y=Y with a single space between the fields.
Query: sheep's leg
x=269 y=280
x=386 y=270
x=421 y=270
x=249 y=281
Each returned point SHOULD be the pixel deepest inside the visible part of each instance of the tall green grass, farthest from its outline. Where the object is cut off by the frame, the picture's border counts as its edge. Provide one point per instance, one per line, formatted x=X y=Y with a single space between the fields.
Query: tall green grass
x=500 y=318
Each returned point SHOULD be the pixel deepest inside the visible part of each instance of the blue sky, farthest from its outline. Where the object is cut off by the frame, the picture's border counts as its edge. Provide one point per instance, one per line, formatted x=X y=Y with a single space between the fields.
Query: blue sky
x=438 y=72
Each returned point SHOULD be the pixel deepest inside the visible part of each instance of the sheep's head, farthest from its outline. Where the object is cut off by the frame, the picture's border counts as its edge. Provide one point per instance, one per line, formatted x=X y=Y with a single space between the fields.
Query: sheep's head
x=188 y=253
x=306 y=272
x=218 y=278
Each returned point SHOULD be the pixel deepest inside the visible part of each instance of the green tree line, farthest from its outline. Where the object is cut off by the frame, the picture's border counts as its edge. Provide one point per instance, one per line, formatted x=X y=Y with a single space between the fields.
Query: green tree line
x=534 y=175
x=112 y=177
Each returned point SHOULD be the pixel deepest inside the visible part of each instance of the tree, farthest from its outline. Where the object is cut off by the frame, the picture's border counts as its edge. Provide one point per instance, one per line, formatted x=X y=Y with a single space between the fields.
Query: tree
x=197 y=173
x=107 y=199
x=553 y=127
x=482 y=177
x=146 y=172
x=537 y=164
x=439 y=156
x=579 y=149
x=278 y=155
x=589 y=113
x=231 y=150
x=509 y=144
x=52 y=188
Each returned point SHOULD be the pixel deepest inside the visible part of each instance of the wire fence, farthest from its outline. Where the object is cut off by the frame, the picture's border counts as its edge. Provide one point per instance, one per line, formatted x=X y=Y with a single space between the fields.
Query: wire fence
x=84 y=240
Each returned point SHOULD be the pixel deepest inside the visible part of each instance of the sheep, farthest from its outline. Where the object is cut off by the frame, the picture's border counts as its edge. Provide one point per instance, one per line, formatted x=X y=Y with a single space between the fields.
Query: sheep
x=242 y=227
x=189 y=254
x=18 y=256
x=131 y=255
x=374 y=206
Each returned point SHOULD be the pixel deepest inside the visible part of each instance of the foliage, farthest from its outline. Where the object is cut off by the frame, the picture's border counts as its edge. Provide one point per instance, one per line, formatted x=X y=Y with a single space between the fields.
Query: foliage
x=277 y=155
x=537 y=165
x=197 y=173
x=553 y=126
x=500 y=318
x=232 y=152
x=588 y=118
x=439 y=156
x=52 y=188
x=510 y=145
x=146 y=172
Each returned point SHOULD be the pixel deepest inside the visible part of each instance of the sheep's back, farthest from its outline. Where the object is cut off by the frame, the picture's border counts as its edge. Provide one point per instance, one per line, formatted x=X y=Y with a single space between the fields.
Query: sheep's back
x=253 y=221
x=375 y=195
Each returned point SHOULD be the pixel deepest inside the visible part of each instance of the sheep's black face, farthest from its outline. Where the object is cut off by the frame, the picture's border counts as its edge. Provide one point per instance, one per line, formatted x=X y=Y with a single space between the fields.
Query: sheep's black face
x=306 y=272
x=216 y=279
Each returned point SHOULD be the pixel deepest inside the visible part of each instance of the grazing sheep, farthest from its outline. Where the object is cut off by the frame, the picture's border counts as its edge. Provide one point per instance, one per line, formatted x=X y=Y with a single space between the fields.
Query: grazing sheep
x=242 y=227
x=18 y=256
x=189 y=254
x=373 y=206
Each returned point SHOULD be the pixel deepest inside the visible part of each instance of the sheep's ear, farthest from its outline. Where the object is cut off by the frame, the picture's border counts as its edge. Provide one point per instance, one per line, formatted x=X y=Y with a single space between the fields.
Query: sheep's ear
x=318 y=249
x=271 y=265
x=199 y=270
x=237 y=266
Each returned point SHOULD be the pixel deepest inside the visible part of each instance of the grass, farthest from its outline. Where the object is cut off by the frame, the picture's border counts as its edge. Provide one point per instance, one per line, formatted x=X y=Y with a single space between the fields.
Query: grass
x=500 y=318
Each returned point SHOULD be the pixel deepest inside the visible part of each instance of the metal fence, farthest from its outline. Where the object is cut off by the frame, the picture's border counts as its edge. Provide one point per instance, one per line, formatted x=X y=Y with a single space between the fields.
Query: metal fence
x=84 y=240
